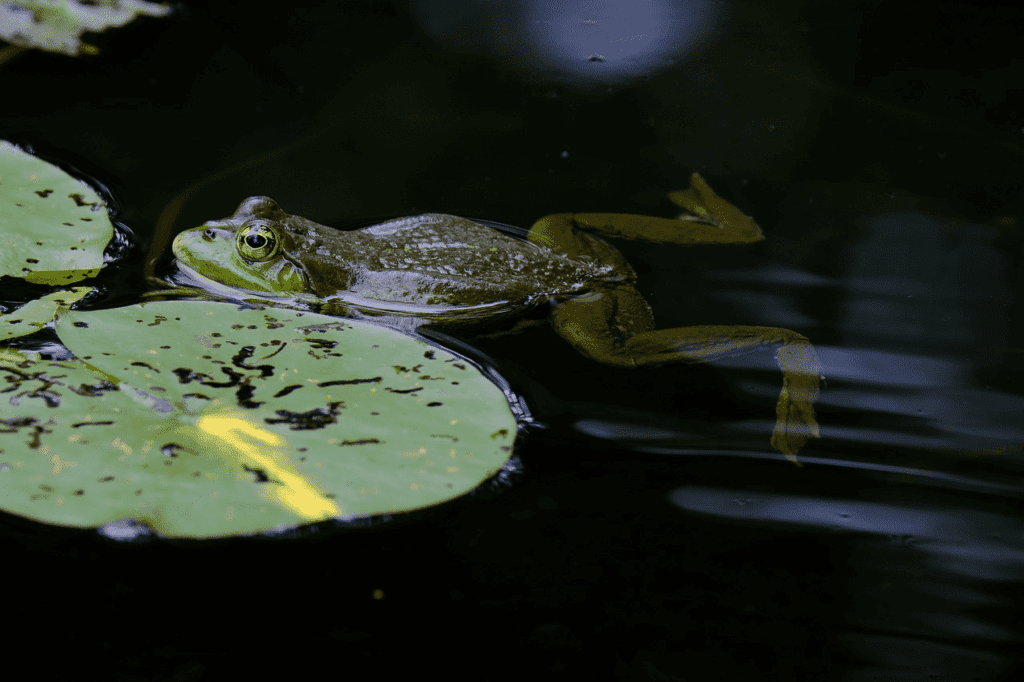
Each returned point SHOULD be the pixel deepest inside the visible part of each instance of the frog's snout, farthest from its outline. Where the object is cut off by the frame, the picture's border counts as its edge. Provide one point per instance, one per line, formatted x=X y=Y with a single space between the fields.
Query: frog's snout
x=177 y=243
x=184 y=244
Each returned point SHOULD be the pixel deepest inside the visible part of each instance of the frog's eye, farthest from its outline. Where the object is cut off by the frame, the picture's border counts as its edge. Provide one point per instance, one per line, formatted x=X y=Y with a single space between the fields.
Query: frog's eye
x=257 y=240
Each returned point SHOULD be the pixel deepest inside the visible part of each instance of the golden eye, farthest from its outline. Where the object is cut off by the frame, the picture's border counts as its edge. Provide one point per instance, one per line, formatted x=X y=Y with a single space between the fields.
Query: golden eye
x=257 y=240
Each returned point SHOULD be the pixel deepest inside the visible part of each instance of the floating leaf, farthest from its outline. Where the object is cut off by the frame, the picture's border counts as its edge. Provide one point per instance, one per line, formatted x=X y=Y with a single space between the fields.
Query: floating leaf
x=53 y=227
x=57 y=26
x=34 y=315
x=232 y=421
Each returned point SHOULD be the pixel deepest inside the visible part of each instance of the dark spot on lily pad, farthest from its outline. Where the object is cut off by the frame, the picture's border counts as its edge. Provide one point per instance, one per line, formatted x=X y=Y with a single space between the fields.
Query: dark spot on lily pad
x=93 y=390
x=403 y=390
x=320 y=344
x=361 y=441
x=401 y=369
x=171 y=449
x=349 y=382
x=187 y=376
x=244 y=396
x=261 y=475
x=316 y=418
x=244 y=354
x=79 y=200
x=287 y=389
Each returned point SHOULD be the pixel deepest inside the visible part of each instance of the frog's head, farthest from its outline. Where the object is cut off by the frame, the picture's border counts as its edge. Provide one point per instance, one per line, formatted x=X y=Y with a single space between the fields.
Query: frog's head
x=249 y=250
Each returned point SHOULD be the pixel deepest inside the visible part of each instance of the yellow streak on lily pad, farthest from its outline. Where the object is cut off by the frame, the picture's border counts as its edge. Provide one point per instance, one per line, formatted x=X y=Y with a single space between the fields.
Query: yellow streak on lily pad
x=242 y=441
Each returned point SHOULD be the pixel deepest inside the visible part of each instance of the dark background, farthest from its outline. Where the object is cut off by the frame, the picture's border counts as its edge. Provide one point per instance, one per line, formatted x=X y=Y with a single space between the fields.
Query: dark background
x=652 y=534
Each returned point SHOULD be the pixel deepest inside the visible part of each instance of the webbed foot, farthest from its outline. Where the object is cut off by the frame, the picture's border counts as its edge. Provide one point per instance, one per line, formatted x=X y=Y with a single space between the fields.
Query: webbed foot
x=708 y=219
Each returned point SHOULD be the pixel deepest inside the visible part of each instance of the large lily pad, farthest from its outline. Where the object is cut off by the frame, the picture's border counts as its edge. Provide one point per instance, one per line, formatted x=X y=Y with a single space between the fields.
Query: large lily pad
x=231 y=421
x=53 y=227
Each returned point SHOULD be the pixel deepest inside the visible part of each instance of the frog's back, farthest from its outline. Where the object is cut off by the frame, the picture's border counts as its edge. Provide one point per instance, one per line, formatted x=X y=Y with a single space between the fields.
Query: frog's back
x=440 y=263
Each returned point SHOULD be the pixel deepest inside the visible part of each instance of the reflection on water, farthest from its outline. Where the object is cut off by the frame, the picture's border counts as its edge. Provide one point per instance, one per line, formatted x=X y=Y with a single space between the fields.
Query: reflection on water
x=595 y=41
x=923 y=580
x=911 y=523
x=900 y=401
x=911 y=322
x=922 y=309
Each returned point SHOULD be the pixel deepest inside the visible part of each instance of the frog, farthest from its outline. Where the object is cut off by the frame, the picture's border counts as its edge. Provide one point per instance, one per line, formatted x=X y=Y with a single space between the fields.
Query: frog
x=443 y=270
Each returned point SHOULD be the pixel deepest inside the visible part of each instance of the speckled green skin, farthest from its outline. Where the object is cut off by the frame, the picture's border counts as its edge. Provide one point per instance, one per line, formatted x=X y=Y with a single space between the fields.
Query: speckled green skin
x=431 y=265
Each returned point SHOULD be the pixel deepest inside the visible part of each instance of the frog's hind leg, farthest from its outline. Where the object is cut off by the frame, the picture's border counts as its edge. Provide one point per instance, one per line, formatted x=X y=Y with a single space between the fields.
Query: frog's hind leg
x=614 y=326
x=708 y=219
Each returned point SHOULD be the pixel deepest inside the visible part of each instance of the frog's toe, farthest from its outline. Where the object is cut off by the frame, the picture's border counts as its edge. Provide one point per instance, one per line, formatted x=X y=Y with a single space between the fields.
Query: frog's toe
x=795 y=422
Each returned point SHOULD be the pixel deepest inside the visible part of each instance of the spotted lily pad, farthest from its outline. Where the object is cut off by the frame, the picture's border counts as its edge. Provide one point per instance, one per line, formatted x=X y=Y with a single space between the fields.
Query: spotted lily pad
x=53 y=227
x=57 y=26
x=230 y=421
x=36 y=314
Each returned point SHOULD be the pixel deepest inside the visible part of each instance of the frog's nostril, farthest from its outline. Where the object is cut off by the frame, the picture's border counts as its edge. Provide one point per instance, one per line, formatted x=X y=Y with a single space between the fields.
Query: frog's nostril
x=208 y=235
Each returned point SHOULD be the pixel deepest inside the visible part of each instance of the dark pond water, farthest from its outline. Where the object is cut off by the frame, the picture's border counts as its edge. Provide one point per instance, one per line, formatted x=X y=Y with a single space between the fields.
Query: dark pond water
x=652 y=533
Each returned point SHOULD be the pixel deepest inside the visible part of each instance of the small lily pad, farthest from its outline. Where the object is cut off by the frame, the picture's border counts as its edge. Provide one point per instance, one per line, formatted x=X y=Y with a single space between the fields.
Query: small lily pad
x=34 y=315
x=229 y=421
x=58 y=26
x=53 y=227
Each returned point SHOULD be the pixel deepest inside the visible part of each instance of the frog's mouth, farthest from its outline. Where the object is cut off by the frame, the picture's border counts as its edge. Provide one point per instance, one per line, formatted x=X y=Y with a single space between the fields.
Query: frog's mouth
x=368 y=304
x=184 y=276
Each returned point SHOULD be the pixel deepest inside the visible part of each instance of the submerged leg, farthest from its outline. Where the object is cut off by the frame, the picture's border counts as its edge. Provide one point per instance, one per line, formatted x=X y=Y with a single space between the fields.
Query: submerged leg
x=615 y=327
x=708 y=219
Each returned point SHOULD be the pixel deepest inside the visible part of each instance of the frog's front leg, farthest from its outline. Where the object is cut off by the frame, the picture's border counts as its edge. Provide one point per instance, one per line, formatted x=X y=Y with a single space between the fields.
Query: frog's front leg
x=708 y=219
x=614 y=326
